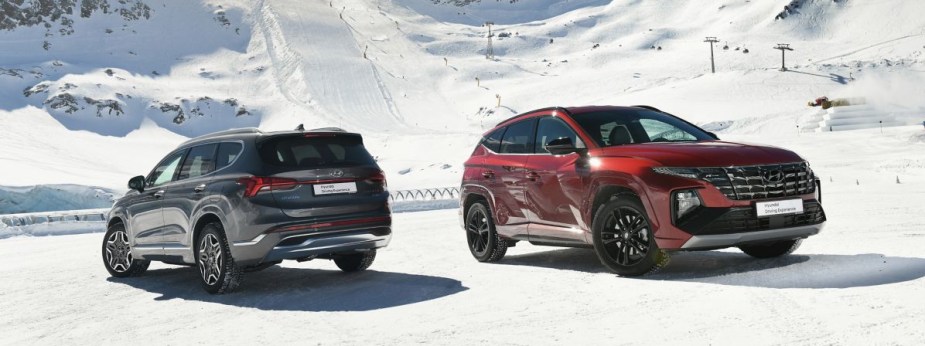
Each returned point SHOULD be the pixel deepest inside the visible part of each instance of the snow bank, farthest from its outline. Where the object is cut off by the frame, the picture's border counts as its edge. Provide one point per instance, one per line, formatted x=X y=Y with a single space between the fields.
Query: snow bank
x=50 y=229
x=42 y=198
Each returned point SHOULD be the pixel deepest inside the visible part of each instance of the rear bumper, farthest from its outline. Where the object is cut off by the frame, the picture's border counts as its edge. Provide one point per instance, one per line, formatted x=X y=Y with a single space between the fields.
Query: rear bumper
x=716 y=241
x=272 y=247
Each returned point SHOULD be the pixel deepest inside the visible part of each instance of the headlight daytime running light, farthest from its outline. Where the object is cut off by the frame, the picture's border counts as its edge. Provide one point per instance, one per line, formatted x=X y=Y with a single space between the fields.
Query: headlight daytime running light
x=690 y=173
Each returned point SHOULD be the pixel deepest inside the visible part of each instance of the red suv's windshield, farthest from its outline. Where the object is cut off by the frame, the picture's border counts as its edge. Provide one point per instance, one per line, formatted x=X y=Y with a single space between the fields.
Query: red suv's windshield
x=632 y=126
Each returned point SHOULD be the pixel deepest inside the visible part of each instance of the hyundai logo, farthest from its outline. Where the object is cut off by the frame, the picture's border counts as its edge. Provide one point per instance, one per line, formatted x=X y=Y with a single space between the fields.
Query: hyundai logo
x=773 y=176
x=337 y=173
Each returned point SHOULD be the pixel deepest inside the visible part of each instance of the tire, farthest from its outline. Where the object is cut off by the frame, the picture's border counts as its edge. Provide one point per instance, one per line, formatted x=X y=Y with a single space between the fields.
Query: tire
x=117 y=254
x=218 y=272
x=772 y=249
x=359 y=261
x=484 y=242
x=626 y=247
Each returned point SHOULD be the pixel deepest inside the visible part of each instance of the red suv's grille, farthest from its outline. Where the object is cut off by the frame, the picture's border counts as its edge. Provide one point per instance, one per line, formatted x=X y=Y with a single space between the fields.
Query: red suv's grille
x=762 y=182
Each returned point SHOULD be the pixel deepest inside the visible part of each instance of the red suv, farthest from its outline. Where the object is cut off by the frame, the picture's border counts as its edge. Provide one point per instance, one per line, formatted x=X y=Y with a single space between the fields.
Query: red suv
x=633 y=183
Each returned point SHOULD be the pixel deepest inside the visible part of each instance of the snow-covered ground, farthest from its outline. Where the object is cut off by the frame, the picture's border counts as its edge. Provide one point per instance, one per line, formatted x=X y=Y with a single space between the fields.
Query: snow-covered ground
x=861 y=281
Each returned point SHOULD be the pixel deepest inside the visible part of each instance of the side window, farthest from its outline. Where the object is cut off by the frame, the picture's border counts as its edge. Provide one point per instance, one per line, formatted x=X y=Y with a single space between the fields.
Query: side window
x=165 y=170
x=663 y=132
x=518 y=139
x=552 y=128
x=227 y=153
x=199 y=162
x=493 y=140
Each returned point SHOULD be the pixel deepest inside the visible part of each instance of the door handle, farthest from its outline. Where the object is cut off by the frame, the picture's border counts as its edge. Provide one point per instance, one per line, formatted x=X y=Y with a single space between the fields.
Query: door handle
x=488 y=174
x=533 y=176
x=200 y=188
x=159 y=194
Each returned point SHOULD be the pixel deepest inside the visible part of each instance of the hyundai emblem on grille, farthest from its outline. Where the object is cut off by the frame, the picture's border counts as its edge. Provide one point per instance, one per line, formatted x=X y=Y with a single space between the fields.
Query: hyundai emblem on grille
x=773 y=176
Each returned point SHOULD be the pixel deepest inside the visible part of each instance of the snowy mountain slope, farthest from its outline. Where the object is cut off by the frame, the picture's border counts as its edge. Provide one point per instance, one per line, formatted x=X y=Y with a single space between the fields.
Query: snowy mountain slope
x=425 y=92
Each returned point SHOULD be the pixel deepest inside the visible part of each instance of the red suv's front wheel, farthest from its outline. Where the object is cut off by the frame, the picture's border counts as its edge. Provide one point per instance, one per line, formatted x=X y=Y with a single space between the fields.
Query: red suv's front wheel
x=623 y=237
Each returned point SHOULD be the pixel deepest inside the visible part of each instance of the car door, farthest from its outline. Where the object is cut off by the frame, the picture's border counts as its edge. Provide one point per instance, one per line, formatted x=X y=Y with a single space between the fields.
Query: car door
x=504 y=174
x=553 y=186
x=184 y=195
x=144 y=213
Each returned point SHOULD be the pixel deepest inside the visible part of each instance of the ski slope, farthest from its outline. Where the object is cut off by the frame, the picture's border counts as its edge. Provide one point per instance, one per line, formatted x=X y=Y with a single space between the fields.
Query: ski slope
x=321 y=65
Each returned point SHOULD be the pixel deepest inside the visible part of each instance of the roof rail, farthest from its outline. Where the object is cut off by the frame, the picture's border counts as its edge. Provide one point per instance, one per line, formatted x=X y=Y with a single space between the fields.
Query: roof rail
x=225 y=133
x=328 y=129
x=534 y=111
x=649 y=108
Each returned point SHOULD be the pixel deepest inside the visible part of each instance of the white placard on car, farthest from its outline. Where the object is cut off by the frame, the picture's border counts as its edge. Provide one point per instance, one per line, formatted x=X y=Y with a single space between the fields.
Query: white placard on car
x=790 y=206
x=336 y=188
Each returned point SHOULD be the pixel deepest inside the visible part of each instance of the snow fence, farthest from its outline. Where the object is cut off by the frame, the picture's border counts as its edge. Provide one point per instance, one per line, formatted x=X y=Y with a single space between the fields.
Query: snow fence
x=94 y=220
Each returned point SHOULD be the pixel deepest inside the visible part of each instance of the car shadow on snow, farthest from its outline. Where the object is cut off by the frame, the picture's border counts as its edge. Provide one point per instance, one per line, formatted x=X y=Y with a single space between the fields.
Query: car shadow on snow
x=298 y=289
x=738 y=269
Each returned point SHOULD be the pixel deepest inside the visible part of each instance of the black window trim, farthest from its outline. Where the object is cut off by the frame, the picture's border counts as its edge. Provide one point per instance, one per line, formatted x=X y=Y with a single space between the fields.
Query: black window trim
x=186 y=151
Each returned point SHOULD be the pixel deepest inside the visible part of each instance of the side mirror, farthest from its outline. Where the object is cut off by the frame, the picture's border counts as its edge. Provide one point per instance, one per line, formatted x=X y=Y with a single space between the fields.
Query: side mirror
x=563 y=146
x=713 y=135
x=137 y=183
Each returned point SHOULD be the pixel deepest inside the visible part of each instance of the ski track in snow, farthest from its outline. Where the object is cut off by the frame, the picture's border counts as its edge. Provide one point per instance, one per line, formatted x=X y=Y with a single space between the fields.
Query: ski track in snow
x=331 y=68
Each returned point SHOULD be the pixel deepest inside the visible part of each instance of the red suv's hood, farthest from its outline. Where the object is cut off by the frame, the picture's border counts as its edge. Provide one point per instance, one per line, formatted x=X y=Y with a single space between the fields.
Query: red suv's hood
x=704 y=154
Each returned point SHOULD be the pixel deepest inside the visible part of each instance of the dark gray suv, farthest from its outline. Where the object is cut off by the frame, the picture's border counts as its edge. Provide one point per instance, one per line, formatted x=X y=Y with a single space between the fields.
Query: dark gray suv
x=244 y=200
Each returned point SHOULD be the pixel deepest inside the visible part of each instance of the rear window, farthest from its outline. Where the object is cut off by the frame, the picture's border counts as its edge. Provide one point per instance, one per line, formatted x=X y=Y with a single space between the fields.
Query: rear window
x=227 y=153
x=315 y=151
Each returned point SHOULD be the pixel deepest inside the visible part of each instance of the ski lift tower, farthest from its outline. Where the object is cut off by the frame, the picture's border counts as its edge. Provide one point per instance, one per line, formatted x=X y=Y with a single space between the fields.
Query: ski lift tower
x=711 y=40
x=490 y=52
x=783 y=47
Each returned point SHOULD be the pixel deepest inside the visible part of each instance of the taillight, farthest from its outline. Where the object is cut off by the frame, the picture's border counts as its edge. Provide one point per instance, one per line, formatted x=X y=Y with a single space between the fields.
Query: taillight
x=255 y=185
x=378 y=179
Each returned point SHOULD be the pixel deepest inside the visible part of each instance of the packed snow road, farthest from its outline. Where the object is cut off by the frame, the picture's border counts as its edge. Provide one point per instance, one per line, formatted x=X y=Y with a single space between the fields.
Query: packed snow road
x=854 y=283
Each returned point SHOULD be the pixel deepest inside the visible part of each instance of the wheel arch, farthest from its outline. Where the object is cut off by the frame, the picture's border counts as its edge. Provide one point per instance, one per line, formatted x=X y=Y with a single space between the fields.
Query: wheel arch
x=471 y=199
x=608 y=192
x=114 y=220
x=471 y=194
x=201 y=223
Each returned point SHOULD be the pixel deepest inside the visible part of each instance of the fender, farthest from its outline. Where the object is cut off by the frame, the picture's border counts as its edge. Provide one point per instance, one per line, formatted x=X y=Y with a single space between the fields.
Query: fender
x=475 y=189
x=621 y=172
x=201 y=212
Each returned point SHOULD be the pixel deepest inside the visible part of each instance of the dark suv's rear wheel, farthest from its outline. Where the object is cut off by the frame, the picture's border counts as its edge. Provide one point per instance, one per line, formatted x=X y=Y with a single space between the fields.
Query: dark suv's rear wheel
x=117 y=254
x=355 y=262
x=623 y=237
x=772 y=249
x=217 y=271
x=484 y=242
